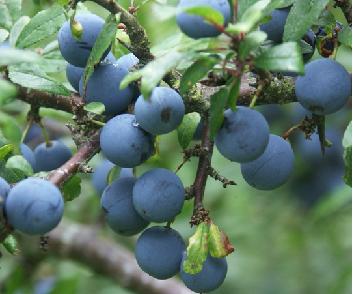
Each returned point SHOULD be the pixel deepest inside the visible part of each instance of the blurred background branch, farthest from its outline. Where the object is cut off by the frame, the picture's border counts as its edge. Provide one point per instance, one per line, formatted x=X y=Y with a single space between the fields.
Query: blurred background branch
x=82 y=243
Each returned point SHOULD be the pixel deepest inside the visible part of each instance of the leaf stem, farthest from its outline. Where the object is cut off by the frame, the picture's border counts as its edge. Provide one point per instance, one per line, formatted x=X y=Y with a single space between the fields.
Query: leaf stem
x=27 y=128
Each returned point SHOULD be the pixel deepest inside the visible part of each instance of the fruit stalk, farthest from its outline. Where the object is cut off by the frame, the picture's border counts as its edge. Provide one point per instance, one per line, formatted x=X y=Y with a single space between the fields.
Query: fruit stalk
x=203 y=167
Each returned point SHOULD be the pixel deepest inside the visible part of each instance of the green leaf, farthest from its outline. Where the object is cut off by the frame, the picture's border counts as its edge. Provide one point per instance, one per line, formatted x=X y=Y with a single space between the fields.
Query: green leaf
x=283 y=3
x=95 y=107
x=234 y=93
x=3 y=35
x=10 y=128
x=10 y=244
x=7 y=92
x=326 y=19
x=17 y=28
x=3 y=141
x=348 y=162
x=344 y=57
x=243 y=5
x=72 y=188
x=283 y=57
x=301 y=17
x=347 y=144
x=10 y=11
x=197 y=250
x=218 y=242
x=5 y=151
x=154 y=71
x=42 y=174
x=187 y=128
x=250 y=18
x=51 y=65
x=251 y=42
x=207 y=13
x=9 y=56
x=345 y=36
x=43 y=25
x=197 y=71
x=113 y=174
x=218 y=103
x=20 y=163
x=347 y=138
x=104 y=40
x=131 y=77
x=43 y=83
x=63 y=2
x=12 y=175
x=305 y=47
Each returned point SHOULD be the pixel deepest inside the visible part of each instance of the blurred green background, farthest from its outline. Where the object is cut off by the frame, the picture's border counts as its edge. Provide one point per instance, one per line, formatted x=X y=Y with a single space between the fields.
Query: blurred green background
x=296 y=239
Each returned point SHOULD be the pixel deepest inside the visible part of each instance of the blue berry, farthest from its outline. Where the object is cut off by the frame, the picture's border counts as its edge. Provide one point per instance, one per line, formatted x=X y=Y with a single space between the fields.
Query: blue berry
x=77 y=51
x=104 y=86
x=4 y=190
x=158 y=195
x=195 y=26
x=162 y=112
x=275 y=27
x=100 y=175
x=34 y=206
x=272 y=168
x=124 y=143
x=121 y=215
x=74 y=74
x=128 y=61
x=28 y=154
x=210 y=278
x=243 y=136
x=159 y=252
x=325 y=87
x=49 y=157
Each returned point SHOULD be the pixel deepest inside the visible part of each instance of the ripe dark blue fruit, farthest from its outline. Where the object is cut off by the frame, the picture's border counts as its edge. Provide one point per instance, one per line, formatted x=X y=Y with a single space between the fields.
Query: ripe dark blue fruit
x=121 y=215
x=325 y=87
x=162 y=112
x=124 y=142
x=126 y=172
x=77 y=51
x=243 y=136
x=49 y=157
x=74 y=74
x=158 y=195
x=104 y=86
x=4 y=190
x=310 y=149
x=34 y=134
x=28 y=154
x=159 y=251
x=211 y=277
x=321 y=181
x=100 y=175
x=199 y=129
x=275 y=27
x=128 y=61
x=34 y=206
x=272 y=168
x=109 y=59
x=195 y=26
